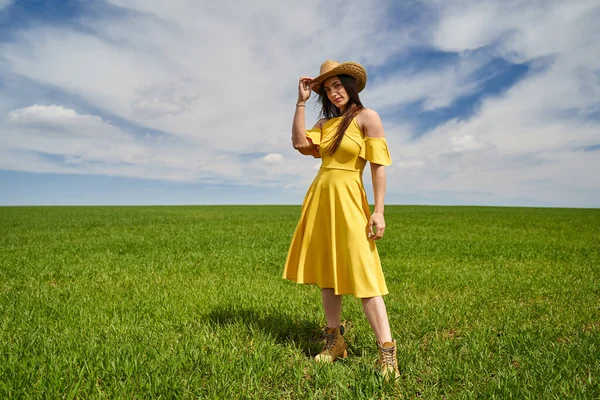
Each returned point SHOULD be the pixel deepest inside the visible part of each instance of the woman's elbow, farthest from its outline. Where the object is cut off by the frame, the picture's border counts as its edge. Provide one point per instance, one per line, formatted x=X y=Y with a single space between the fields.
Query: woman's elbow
x=305 y=149
x=302 y=146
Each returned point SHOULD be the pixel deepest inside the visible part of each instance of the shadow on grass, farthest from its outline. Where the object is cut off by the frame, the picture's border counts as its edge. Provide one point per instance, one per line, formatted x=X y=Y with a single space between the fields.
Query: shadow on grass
x=304 y=333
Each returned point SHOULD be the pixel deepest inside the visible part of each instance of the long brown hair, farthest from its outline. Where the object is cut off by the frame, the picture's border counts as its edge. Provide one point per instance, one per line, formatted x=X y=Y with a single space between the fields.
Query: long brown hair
x=329 y=110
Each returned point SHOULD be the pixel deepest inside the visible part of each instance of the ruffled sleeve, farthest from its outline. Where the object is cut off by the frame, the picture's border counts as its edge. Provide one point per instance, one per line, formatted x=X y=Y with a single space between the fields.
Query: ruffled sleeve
x=376 y=151
x=315 y=137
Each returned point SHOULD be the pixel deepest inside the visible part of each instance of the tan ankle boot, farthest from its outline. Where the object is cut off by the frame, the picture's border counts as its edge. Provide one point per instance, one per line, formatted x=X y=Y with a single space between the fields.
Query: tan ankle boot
x=335 y=346
x=387 y=360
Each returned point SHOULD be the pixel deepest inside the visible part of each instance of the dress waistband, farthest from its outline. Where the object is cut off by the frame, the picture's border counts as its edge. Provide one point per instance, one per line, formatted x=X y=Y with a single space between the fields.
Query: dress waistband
x=325 y=168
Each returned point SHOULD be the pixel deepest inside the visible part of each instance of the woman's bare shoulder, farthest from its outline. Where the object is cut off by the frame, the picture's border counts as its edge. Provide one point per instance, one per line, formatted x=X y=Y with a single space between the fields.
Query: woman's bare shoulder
x=319 y=123
x=367 y=114
x=370 y=123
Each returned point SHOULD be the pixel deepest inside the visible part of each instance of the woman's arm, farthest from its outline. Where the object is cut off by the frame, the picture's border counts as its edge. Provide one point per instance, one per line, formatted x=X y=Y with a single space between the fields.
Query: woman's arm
x=372 y=127
x=299 y=139
x=377 y=219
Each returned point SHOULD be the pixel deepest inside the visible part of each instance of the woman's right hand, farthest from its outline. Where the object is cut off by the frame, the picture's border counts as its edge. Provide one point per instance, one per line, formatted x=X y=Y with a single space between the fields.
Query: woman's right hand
x=304 y=88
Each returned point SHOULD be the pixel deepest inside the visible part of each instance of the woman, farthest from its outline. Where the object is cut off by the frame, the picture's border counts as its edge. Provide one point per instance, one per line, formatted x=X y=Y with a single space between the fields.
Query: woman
x=334 y=243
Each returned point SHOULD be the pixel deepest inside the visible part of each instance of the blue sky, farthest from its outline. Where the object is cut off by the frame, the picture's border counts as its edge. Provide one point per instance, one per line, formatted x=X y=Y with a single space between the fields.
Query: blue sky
x=129 y=102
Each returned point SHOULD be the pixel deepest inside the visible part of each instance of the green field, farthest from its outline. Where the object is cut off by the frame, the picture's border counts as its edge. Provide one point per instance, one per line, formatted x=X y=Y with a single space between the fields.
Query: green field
x=188 y=302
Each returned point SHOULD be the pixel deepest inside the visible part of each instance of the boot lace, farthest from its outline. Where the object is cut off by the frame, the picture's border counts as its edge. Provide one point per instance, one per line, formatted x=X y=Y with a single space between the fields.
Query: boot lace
x=330 y=341
x=388 y=357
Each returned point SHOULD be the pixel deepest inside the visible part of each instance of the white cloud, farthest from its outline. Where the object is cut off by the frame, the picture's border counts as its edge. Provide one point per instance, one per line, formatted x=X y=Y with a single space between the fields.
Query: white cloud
x=459 y=144
x=527 y=143
x=48 y=120
x=208 y=75
x=437 y=88
x=170 y=98
x=220 y=80
x=55 y=139
x=273 y=158
x=194 y=70
x=4 y=4
x=523 y=29
x=88 y=144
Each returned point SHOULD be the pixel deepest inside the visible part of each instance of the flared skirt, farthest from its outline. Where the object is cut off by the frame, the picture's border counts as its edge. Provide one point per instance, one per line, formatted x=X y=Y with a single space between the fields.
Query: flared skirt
x=330 y=247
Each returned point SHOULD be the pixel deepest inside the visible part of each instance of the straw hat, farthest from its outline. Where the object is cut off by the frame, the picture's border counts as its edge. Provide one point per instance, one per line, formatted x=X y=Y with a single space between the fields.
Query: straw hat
x=332 y=68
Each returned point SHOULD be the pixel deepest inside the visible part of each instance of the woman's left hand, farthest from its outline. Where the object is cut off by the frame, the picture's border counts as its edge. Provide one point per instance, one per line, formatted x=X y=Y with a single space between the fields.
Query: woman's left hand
x=378 y=222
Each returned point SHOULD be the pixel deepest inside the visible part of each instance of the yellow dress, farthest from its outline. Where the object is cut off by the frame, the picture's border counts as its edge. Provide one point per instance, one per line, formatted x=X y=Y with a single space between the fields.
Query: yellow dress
x=330 y=247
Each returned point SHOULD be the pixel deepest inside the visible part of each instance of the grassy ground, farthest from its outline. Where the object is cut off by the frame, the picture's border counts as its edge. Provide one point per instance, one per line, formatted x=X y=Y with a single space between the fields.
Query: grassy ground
x=188 y=302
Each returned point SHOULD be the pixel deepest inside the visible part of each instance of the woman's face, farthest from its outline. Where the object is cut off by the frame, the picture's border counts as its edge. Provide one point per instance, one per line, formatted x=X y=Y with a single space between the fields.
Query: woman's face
x=335 y=92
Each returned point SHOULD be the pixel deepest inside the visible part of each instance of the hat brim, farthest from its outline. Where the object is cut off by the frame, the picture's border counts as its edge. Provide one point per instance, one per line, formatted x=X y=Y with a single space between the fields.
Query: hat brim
x=351 y=68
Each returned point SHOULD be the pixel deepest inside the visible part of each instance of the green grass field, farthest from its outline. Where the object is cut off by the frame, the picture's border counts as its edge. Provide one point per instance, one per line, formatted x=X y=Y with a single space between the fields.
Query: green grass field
x=188 y=302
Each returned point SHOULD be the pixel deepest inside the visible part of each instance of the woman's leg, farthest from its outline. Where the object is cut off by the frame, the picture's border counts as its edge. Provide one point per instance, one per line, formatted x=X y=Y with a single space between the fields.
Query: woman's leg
x=335 y=346
x=332 y=304
x=376 y=313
